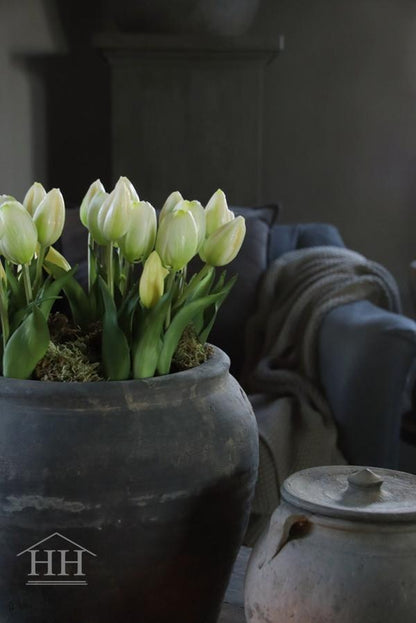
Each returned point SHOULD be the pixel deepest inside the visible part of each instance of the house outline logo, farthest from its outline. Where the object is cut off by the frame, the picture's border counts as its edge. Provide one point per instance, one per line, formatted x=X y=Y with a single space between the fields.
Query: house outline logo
x=56 y=560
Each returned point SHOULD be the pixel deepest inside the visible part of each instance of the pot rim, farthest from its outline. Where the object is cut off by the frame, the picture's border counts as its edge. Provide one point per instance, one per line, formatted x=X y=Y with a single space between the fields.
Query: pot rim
x=207 y=373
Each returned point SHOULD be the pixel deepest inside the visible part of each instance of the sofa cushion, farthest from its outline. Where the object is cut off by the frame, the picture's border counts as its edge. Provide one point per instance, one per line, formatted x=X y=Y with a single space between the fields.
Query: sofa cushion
x=300 y=236
x=74 y=239
x=229 y=329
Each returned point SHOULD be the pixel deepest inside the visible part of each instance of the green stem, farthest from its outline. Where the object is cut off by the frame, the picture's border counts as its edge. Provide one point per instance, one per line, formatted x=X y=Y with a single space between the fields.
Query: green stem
x=27 y=283
x=125 y=270
x=187 y=290
x=39 y=265
x=170 y=282
x=90 y=260
x=182 y=284
x=110 y=268
x=4 y=317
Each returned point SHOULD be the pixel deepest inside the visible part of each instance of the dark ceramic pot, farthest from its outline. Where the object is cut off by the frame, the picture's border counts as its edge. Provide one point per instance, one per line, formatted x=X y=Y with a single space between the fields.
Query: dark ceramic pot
x=215 y=17
x=123 y=501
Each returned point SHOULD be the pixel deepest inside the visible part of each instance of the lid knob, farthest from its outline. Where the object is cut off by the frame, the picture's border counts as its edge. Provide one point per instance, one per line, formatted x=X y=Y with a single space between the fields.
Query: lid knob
x=366 y=479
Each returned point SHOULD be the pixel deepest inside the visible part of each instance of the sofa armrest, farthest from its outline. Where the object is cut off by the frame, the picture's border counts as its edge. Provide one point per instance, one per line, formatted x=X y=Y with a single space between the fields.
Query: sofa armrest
x=367 y=359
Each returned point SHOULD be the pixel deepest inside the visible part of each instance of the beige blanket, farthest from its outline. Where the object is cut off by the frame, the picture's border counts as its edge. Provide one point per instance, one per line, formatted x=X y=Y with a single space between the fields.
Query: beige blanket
x=281 y=374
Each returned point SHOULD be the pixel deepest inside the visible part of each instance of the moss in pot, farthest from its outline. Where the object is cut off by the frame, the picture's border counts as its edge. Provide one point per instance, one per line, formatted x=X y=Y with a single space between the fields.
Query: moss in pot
x=151 y=469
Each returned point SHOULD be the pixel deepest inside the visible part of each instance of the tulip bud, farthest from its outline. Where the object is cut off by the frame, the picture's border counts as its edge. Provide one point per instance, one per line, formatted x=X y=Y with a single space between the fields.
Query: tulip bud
x=49 y=217
x=18 y=235
x=140 y=238
x=198 y=213
x=171 y=202
x=96 y=187
x=54 y=257
x=217 y=212
x=6 y=198
x=132 y=191
x=222 y=246
x=33 y=197
x=93 y=211
x=177 y=238
x=152 y=280
x=113 y=219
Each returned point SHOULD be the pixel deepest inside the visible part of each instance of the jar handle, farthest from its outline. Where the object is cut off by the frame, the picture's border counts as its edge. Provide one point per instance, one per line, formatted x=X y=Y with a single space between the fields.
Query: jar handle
x=284 y=526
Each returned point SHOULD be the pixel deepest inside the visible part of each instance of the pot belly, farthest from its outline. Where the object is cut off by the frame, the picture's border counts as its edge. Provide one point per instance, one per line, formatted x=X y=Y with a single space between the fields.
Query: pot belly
x=141 y=508
x=150 y=560
x=362 y=573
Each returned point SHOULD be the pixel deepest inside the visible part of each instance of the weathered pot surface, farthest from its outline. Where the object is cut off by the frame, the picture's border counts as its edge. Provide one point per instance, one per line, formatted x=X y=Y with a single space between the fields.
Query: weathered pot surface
x=341 y=547
x=137 y=492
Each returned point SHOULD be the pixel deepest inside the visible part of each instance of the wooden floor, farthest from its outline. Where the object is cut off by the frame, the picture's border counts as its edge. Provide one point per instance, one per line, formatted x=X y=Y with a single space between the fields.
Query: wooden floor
x=233 y=608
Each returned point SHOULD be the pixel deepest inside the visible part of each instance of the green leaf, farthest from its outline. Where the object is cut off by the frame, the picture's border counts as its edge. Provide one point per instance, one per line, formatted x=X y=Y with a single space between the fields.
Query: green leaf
x=26 y=347
x=12 y=279
x=95 y=301
x=127 y=309
x=4 y=317
x=92 y=260
x=146 y=351
x=93 y=289
x=115 y=349
x=32 y=271
x=50 y=292
x=18 y=317
x=116 y=272
x=78 y=299
x=198 y=285
x=203 y=289
x=211 y=312
x=173 y=334
x=221 y=280
x=17 y=289
x=204 y=286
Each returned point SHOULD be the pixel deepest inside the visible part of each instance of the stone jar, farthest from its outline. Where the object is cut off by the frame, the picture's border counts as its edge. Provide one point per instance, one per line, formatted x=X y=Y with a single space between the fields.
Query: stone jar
x=123 y=501
x=341 y=548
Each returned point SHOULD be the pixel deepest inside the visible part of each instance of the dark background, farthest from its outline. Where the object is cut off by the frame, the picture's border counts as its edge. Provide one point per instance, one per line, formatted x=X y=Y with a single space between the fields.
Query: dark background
x=337 y=118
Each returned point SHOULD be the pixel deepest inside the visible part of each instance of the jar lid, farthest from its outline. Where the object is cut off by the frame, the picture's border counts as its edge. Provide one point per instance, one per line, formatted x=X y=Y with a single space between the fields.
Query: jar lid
x=353 y=492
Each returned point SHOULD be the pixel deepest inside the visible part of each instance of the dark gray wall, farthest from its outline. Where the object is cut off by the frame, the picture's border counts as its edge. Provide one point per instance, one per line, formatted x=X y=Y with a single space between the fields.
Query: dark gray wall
x=339 y=118
x=340 y=121
x=25 y=31
x=54 y=97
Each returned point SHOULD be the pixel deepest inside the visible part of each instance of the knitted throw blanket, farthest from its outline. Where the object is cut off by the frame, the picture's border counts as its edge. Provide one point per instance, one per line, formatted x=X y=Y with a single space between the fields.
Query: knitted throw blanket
x=281 y=374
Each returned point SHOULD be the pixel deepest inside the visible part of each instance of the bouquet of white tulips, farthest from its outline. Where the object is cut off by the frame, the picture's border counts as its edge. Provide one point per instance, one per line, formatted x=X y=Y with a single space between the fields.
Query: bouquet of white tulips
x=142 y=312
